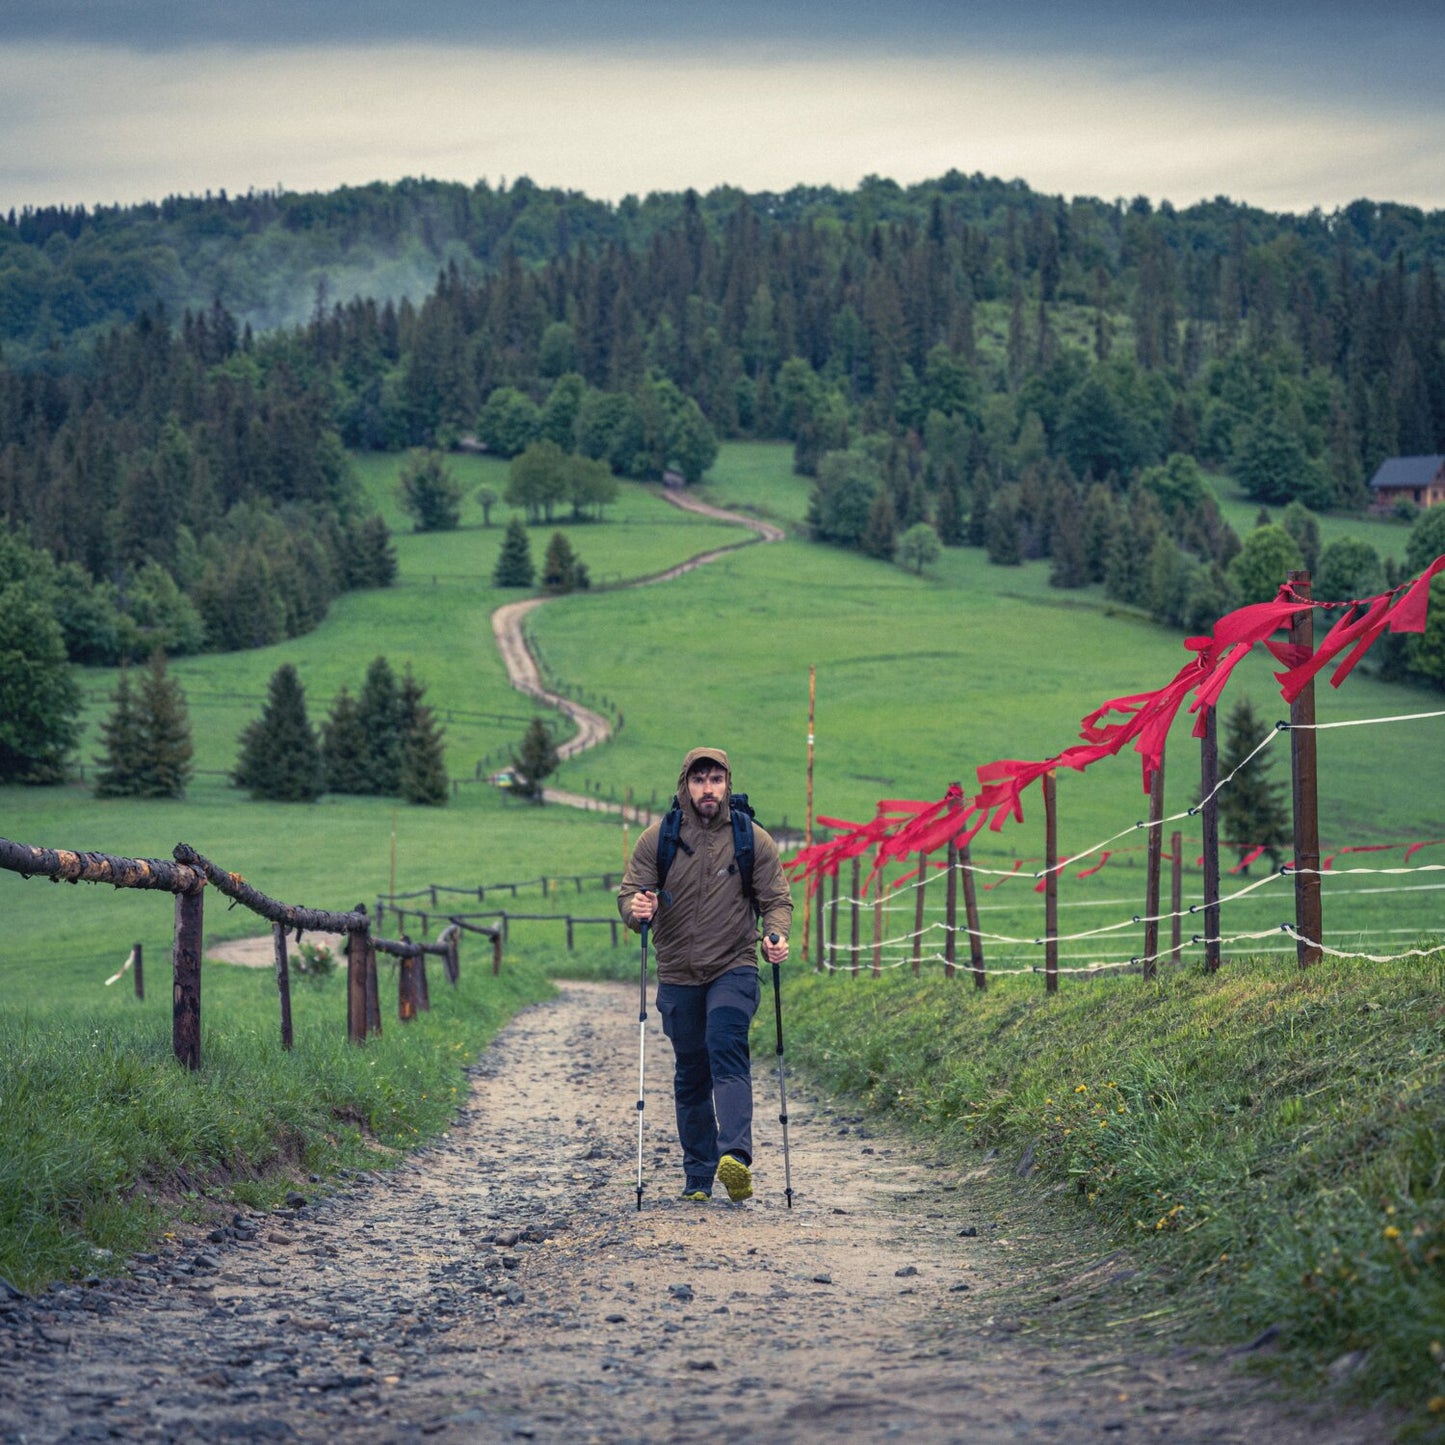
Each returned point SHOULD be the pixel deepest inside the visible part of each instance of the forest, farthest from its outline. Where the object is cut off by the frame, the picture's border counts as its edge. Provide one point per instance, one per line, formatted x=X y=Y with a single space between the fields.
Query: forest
x=964 y=362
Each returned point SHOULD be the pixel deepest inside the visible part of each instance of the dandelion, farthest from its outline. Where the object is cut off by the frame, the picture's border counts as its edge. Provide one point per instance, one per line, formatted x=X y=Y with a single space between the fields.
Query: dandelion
x=1081 y=1089
x=1391 y=1232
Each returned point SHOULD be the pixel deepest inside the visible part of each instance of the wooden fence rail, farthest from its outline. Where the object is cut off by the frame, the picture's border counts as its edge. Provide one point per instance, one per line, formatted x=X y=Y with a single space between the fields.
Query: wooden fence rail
x=188 y=873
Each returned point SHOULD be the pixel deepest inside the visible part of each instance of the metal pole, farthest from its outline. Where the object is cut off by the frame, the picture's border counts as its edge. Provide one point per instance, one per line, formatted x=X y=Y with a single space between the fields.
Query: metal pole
x=641 y=1057
x=782 y=1083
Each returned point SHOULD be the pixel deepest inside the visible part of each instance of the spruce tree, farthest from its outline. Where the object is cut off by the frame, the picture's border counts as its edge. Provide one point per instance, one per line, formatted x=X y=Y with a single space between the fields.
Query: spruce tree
x=514 y=562
x=423 y=758
x=559 y=567
x=381 y=721
x=536 y=761
x=280 y=757
x=165 y=732
x=147 y=738
x=120 y=735
x=344 y=748
x=1252 y=811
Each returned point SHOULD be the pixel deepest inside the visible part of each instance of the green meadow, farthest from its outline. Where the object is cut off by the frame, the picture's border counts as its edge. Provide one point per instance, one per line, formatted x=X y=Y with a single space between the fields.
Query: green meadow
x=919 y=680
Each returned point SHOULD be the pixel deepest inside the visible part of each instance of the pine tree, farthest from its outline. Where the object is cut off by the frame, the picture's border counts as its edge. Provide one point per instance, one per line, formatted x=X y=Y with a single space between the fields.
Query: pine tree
x=880 y=533
x=559 y=567
x=344 y=747
x=280 y=758
x=166 y=733
x=121 y=736
x=147 y=738
x=536 y=761
x=381 y=721
x=1252 y=811
x=514 y=562
x=423 y=757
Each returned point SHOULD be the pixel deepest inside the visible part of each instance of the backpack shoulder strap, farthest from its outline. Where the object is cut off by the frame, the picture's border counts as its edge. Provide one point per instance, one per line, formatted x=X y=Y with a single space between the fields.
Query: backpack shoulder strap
x=669 y=837
x=743 y=850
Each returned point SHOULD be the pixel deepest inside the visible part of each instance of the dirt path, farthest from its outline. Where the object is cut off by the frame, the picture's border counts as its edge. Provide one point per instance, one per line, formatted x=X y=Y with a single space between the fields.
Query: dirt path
x=508 y=627
x=503 y=1285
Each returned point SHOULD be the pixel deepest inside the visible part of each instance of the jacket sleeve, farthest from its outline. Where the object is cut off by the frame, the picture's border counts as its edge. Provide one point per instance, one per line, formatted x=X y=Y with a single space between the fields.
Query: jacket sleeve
x=770 y=885
x=641 y=874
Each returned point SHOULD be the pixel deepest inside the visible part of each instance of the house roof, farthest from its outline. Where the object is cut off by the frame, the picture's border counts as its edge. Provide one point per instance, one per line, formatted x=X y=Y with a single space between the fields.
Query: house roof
x=1406 y=472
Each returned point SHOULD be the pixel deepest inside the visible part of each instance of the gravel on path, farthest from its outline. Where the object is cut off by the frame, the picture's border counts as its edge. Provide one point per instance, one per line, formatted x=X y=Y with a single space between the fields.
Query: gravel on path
x=502 y=1284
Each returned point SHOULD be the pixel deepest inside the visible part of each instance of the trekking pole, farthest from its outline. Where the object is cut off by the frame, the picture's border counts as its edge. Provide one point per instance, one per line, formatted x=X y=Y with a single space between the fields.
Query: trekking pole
x=782 y=1085
x=641 y=1056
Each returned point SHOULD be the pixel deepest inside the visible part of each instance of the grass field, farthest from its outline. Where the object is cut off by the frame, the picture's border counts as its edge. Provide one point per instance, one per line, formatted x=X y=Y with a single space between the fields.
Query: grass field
x=919 y=681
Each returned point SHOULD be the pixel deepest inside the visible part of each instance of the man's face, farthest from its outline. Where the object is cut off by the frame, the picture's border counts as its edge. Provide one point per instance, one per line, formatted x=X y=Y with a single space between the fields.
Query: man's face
x=706 y=786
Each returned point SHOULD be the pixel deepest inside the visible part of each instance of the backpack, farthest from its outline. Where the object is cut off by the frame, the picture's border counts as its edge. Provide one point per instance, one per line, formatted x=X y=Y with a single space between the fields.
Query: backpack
x=669 y=840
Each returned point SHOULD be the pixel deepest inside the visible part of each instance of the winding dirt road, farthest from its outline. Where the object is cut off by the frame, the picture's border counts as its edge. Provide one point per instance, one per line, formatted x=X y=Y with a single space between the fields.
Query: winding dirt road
x=503 y=1285
x=508 y=627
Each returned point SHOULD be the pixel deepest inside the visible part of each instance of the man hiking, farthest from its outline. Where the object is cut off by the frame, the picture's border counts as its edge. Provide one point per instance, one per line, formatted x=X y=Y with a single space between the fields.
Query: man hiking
x=701 y=879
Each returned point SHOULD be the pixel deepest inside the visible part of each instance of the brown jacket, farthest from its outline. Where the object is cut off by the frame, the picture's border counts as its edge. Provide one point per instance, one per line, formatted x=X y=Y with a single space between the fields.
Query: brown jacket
x=708 y=926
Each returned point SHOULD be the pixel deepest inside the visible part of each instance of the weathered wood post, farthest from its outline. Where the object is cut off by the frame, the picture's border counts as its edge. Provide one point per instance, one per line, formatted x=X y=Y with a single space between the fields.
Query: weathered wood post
x=856 y=935
x=140 y=983
x=970 y=913
x=1209 y=820
x=820 y=905
x=283 y=980
x=1051 y=883
x=950 y=913
x=496 y=952
x=373 y=989
x=833 y=924
x=356 y=945
x=1151 y=872
x=406 y=985
x=878 y=927
x=1176 y=895
x=1304 y=778
x=186 y=976
x=918 y=913
x=571 y=947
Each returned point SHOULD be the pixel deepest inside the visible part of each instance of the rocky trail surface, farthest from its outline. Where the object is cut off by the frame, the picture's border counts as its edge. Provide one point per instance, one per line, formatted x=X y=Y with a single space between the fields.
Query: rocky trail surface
x=502 y=1284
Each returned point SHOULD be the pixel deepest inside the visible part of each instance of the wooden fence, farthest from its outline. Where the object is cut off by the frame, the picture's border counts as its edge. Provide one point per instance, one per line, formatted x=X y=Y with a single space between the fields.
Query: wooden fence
x=188 y=873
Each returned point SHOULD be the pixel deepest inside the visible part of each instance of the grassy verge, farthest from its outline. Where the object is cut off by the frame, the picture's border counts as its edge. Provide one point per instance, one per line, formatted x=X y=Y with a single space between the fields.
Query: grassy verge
x=105 y=1143
x=1273 y=1141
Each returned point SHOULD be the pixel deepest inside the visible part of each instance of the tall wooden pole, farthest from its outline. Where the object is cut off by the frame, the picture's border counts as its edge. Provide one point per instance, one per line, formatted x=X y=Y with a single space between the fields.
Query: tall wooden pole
x=1051 y=884
x=1176 y=895
x=950 y=913
x=970 y=913
x=1151 y=873
x=856 y=937
x=1209 y=817
x=808 y=809
x=1304 y=777
x=918 y=912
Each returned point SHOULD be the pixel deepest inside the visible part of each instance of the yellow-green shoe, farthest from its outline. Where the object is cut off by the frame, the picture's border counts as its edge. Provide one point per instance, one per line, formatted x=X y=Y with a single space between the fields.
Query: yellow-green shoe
x=737 y=1178
x=698 y=1196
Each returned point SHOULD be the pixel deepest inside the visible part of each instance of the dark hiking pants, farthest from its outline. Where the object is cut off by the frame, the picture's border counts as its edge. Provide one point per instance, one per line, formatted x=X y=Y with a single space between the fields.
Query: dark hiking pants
x=712 y=1084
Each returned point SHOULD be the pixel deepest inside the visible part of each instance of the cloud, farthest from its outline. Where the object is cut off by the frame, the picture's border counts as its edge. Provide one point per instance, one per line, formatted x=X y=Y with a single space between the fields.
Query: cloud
x=96 y=124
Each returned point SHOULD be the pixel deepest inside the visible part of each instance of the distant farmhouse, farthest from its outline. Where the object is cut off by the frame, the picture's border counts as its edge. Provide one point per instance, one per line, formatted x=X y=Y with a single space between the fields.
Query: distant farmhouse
x=1414 y=479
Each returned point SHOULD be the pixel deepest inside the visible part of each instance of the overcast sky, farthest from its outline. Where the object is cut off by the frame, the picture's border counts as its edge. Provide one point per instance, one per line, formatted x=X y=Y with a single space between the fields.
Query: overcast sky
x=1286 y=104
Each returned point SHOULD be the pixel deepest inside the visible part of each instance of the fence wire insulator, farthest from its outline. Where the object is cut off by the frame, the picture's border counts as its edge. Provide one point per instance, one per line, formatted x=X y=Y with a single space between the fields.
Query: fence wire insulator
x=1283 y=727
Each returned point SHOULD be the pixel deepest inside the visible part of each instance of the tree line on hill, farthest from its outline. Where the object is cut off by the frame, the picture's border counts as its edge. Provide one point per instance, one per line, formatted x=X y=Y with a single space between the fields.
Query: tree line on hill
x=383 y=742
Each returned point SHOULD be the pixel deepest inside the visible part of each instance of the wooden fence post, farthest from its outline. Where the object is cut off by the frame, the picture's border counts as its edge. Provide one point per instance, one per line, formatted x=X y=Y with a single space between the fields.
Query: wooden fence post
x=406 y=985
x=186 y=977
x=1304 y=778
x=856 y=936
x=1154 y=856
x=918 y=912
x=423 y=993
x=1209 y=819
x=878 y=927
x=970 y=913
x=950 y=913
x=496 y=953
x=833 y=925
x=356 y=943
x=373 y=990
x=1176 y=895
x=140 y=983
x=283 y=981
x=1051 y=883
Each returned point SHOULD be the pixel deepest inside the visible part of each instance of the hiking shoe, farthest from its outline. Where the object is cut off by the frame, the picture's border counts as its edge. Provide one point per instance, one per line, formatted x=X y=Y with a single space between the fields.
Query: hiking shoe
x=697 y=1193
x=736 y=1177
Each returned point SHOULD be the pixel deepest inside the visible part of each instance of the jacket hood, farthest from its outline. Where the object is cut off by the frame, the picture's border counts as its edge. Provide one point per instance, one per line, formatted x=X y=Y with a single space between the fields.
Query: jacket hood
x=716 y=755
